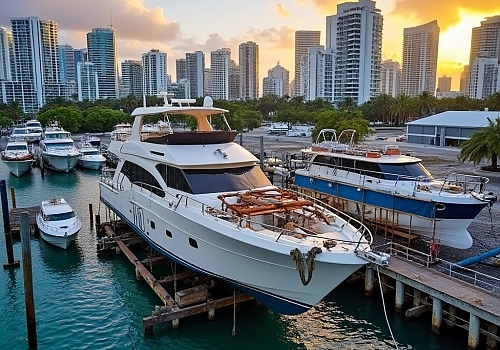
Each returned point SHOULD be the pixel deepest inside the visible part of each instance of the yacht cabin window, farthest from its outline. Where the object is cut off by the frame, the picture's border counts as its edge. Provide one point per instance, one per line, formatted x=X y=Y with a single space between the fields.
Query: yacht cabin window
x=387 y=171
x=141 y=177
x=199 y=181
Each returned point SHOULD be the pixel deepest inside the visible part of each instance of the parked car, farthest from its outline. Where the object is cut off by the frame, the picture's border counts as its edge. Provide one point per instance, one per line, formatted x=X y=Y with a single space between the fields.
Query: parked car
x=380 y=137
x=401 y=138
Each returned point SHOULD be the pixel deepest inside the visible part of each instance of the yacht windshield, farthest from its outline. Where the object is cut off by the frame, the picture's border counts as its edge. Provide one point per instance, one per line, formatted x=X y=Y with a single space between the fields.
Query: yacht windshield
x=58 y=216
x=404 y=171
x=223 y=180
x=60 y=145
x=61 y=135
x=16 y=148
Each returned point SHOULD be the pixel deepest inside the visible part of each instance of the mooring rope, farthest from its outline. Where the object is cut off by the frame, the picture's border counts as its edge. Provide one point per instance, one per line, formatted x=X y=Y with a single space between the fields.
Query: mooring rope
x=234 y=312
x=385 y=311
x=296 y=255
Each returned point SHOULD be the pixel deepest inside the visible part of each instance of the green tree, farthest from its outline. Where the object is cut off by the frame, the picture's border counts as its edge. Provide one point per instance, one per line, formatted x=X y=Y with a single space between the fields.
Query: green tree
x=348 y=104
x=13 y=110
x=5 y=121
x=402 y=108
x=483 y=144
x=426 y=104
x=493 y=102
x=341 y=120
x=68 y=118
x=101 y=119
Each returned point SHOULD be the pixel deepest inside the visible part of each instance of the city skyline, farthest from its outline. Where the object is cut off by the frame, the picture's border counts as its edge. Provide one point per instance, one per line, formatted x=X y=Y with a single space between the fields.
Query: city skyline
x=271 y=25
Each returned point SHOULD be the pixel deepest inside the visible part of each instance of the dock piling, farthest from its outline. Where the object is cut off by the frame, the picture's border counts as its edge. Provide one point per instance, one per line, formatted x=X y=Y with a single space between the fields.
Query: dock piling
x=13 y=197
x=369 y=281
x=437 y=315
x=28 y=277
x=6 y=227
x=474 y=331
x=400 y=296
x=91 y=214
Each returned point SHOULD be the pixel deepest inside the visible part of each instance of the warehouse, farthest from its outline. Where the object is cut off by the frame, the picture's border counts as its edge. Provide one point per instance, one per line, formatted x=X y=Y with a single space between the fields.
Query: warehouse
x=448 y=128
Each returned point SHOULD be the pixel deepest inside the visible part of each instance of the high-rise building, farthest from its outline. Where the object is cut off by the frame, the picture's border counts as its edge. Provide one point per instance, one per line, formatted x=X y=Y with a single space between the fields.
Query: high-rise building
x=87 y=78
x=390 y=76
x=67 y=63
x=420 y=54
x=279 y=72
x=180 y=89
x=272 y=86
x=132 y=77
x=249 y=70
x=180 y=69
x=317 y=74
x=101 y=44
x=304 y=39
x=154 y=65
x=5 y=56
x=234 y=81
x=355 y=35
x=36 y=69
x=444 y=84
x=484 y=77
x=218 y=83
x=464 y=80
x=195 y=69
x=484 y=52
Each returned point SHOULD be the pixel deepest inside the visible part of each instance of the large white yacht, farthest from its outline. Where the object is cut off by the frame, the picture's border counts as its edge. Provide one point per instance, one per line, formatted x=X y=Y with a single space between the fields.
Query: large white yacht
x=34 y=130
x=58 y=150
x=18 y=157
x=201 y=199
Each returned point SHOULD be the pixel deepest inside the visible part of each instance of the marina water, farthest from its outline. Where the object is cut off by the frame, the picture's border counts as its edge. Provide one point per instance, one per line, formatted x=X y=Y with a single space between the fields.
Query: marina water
x=84 y=301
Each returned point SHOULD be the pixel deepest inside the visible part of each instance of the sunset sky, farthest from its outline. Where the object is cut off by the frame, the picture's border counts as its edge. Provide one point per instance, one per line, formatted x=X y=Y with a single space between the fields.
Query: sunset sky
x=177 y=27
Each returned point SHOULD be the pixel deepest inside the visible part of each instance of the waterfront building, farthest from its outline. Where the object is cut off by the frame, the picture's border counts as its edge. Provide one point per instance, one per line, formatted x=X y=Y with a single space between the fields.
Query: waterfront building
x=390 y=77
x=464 y=80
x=5 y=54
x=206 y=80
x=35 y=72
x=420 y=54
x=88 y=81
x=195 y=69
x=272 y=86
x=101 y=44
x=484 y=80
x=67 y=63
x=218 y=82
x=317 y=74
x=234 y=81
x=154 y=67
x=132 y=78
x=249 y=70
x=304 y=39
x=355 y=34
x=484 y=52
x=444 y=84
x=280 y=73
x=180 y=89
x=180 y=69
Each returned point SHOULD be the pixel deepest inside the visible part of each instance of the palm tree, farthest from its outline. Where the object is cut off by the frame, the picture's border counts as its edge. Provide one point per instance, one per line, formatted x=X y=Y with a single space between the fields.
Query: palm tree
x=493 y=102
x=402 y=107
x=348 y=104
x=483 y=144
x=426 y=104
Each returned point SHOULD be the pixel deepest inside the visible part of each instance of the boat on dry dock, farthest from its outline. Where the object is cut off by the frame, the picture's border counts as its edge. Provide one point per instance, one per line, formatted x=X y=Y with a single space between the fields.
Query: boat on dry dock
x=202 y=200
x=392 y=189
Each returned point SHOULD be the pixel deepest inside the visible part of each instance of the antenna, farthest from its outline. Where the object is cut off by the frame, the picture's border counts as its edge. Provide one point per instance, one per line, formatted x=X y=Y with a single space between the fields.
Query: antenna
x=111 y=25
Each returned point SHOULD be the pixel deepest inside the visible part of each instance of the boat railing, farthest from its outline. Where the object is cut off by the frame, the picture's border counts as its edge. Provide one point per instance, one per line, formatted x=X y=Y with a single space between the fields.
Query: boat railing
x=47 y=227
x=470 y=276
x=245 y=221
x=61 y=150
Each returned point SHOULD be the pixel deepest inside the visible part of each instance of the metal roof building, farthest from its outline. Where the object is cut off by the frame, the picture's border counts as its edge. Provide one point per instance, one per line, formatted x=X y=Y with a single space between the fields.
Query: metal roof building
x=448 y=128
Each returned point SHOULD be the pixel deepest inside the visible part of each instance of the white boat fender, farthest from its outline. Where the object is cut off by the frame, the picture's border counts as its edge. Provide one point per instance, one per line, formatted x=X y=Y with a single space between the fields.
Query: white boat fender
x=297 y=256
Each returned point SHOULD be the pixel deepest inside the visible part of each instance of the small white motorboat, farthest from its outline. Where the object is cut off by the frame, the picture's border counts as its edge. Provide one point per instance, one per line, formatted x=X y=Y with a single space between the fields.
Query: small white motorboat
x=57 y=223
x=91 y=157
x=17 y=157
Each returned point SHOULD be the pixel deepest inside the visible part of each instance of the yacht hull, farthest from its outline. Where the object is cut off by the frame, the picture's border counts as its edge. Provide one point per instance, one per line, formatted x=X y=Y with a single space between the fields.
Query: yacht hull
x=442 y=218
x=19 y=167
x=93 y=164
x=57 y=236
x=252 y=263
x=64 y=163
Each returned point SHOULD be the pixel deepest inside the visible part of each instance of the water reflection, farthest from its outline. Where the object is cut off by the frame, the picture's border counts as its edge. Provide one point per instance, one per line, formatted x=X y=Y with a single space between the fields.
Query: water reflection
x=65 y=261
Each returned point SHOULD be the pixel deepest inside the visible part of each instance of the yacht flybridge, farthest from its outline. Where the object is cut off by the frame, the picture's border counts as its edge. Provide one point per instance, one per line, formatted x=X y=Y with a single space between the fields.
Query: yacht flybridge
x=201 y=200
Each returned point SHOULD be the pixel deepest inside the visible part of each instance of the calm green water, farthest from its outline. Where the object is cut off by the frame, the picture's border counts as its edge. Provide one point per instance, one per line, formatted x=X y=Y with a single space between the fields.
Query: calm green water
x=88 y=302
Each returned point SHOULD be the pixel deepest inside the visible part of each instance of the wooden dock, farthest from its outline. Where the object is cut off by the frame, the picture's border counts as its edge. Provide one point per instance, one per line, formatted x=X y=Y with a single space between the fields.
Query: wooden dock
x=186 y=302
x=442 y=294
x=14 y=214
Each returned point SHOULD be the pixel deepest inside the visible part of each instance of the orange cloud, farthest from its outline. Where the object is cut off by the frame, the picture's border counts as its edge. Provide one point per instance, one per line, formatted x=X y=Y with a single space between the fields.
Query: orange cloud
x=282 y=11
x=280 y=38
